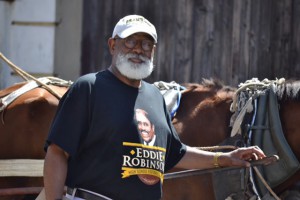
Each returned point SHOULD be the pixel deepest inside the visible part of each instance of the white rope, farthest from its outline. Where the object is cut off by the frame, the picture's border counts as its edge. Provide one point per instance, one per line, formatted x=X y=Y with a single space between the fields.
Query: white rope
x=27 y=76
x=243 y=98
x=253 y=84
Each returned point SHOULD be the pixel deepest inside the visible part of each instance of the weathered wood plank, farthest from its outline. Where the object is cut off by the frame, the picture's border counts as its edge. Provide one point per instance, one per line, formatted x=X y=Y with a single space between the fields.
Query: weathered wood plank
x=295 y=47
x=21 y=167
x=183 y=40
x=232 y=40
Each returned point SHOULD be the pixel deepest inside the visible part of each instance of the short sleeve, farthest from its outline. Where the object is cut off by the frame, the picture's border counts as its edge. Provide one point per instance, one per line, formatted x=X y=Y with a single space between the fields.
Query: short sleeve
x=71 y=121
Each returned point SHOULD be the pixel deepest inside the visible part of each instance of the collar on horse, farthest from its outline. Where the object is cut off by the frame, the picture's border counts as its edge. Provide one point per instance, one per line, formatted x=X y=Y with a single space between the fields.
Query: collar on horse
x=257 y=119
x=244 y=97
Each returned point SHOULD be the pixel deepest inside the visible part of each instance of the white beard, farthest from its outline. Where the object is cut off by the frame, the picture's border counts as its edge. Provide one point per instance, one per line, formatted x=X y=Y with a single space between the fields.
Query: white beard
x=135 y=71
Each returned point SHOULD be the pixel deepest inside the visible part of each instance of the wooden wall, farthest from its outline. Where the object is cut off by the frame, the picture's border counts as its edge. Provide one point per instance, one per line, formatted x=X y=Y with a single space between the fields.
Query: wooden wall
x=232 y=40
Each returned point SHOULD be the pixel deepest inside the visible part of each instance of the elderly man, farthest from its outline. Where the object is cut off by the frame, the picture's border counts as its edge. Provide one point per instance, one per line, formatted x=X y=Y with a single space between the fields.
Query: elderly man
x=94 y=145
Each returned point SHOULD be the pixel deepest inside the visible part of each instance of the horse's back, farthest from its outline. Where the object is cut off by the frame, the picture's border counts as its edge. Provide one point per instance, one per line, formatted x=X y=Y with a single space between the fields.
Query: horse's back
x=24 y=126
x=25 y=123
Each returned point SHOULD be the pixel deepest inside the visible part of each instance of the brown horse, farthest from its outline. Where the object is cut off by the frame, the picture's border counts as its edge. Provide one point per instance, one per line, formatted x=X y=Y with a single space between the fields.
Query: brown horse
x=24 y=126
x=203 y=120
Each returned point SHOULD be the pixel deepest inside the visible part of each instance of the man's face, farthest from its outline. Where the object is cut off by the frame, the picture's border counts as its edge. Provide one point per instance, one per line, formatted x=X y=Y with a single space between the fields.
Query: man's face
x=135 y=63
x=146 y=129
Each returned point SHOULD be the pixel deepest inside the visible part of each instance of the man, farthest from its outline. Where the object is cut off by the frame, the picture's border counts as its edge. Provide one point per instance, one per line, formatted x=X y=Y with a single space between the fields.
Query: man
x=94 y=146
x=145 y=127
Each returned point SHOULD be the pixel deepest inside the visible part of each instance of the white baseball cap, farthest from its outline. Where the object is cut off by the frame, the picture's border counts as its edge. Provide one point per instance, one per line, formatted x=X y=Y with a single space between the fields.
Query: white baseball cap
x=131 y=24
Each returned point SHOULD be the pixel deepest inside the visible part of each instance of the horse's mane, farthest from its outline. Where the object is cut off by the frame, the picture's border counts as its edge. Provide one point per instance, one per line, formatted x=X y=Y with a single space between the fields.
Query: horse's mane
x=212 y=84
x=289 y=90
x=217 y=84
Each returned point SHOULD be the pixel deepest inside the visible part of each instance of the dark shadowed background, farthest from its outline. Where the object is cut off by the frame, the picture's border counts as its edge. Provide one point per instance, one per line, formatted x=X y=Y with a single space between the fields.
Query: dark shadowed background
x=232 y=40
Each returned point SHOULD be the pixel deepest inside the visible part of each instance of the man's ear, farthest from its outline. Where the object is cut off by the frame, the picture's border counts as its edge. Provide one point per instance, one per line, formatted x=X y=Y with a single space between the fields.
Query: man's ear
x=153 y=50
x=111 y=45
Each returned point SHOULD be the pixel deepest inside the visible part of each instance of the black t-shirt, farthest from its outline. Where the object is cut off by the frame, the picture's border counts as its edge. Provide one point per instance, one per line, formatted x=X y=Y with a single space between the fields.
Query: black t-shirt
x=96 y=124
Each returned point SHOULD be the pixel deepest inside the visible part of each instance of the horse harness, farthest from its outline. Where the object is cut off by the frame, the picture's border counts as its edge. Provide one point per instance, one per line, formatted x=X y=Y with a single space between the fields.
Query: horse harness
x=8 y=99
x=256 y=119
x=171 y=93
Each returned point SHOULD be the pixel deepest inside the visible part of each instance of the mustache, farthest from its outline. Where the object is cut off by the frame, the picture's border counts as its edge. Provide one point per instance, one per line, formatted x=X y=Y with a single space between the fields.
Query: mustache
x=141 y=57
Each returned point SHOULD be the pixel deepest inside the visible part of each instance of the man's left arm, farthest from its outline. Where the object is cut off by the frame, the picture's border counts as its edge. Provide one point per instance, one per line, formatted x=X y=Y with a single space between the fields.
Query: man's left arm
x=199 y=159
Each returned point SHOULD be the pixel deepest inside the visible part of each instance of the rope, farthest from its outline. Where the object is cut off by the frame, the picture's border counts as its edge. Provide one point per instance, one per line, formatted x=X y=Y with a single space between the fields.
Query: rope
x=265 y=183
x=217 y=148
x=27 y=76
x=253 y=84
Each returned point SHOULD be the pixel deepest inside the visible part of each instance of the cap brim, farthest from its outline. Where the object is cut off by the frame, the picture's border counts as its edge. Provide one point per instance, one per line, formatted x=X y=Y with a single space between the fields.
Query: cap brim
x=140 y=29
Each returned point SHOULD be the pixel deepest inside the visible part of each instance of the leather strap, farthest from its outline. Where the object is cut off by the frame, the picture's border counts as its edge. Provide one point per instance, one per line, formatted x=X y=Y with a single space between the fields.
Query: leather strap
x=5 y=101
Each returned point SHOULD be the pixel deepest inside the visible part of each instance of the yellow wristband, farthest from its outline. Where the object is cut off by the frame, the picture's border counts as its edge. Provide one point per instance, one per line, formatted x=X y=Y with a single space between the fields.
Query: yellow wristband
x=216 y=159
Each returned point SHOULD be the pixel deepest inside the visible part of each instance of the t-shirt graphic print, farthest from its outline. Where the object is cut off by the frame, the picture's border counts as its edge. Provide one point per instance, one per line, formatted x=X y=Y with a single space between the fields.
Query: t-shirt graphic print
x=144 y=159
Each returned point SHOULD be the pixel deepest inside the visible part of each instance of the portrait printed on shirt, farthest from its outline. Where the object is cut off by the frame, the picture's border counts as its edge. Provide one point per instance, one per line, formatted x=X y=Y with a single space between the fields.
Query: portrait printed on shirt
x=144 y=159
x=145 y=127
